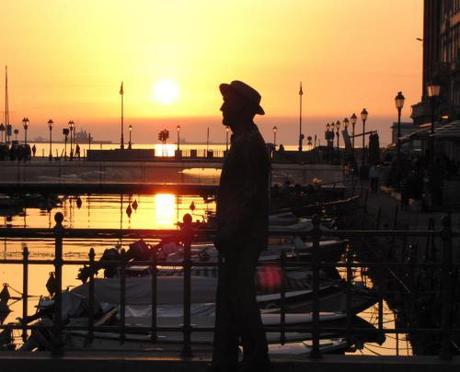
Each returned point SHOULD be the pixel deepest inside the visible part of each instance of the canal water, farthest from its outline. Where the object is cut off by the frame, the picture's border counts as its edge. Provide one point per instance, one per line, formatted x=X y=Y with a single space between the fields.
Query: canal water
x=155 y=211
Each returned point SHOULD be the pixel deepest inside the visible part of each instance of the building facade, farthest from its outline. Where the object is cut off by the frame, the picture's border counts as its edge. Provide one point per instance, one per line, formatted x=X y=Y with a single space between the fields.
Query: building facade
x=441 y=60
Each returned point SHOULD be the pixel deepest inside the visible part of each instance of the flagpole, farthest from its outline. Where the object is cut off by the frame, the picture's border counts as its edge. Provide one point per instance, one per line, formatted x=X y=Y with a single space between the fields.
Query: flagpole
x=300 y=117
x=122 y=145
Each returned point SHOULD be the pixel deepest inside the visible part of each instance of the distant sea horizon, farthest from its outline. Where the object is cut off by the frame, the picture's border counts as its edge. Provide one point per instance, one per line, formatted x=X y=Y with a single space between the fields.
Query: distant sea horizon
x=168 y=149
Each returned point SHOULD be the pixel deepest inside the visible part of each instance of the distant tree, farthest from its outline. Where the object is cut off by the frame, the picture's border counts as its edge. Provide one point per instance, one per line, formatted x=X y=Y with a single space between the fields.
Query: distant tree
x=163 y=137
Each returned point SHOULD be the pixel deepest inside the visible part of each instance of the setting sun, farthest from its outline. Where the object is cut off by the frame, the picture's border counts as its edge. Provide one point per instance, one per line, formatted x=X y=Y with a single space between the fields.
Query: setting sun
x=166 y=91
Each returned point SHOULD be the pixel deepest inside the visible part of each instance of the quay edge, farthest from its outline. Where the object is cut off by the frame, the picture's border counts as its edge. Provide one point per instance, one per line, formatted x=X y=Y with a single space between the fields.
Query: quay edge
x=89 y=362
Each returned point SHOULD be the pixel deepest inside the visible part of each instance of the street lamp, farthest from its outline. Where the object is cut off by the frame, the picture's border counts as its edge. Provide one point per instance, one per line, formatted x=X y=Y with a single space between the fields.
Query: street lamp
x=65 y=132
x=364 y=115
x=50 y=127
x=328 y=140
x=72 y=127
x=275 y=129
x=353 y=120
x=399 y=103
x=337 y=126
x=2 y=132
x=9 y=129
x=434 y=91
x=25 y=122
x=130 y=131
x=227 y=129
x=178 y=139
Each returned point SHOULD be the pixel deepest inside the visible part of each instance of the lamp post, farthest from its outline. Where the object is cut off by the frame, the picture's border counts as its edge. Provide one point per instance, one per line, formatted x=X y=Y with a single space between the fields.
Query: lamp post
x=399 y=103
x=50 y=127
x=9 y=129
x=353 y=120
x=227 y=129
x=65 y=132
x=364 y=115
x=71 y=127
x=275 y=129
x=178 y=139
x=2 y=132
x=301 y=136
x=328 y=141
x=130 y=131
x=346 y=123
x=25 y=123
x=433 y=93
x=337 y=127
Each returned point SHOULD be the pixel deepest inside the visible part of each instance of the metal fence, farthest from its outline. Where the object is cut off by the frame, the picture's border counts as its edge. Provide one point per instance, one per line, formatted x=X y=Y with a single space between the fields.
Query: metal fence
x=446 y=330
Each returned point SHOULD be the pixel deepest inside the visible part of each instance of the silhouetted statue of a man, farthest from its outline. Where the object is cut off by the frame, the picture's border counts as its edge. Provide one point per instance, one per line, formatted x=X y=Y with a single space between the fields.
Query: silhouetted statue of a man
x=242 y=232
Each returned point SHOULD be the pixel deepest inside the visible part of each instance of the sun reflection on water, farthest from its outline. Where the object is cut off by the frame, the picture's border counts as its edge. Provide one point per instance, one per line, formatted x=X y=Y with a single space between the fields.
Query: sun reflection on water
x=165 y=206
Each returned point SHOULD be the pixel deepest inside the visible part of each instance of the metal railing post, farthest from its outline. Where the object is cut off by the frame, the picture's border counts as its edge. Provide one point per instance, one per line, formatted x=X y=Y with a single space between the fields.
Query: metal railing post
x=25 y=290
x=154 y=271
x=446 y=289
x=58 y=261
x=316 y=235
x=91 y=297
x=283 y=299
x=123 y=296
x=187 y=349
x=349 y=259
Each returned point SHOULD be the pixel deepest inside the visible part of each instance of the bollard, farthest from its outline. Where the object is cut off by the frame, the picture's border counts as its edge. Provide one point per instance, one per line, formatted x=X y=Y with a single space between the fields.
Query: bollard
x=25 y=290
x=446 y=289
x=91 y=297
x=316 y=235
x=58 y=235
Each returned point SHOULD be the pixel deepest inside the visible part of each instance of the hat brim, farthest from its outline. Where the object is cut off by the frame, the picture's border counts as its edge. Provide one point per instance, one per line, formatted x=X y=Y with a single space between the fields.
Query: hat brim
x=225 y=89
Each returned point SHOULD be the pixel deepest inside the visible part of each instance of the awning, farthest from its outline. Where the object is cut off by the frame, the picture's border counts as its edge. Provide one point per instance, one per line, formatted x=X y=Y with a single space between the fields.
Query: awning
x=448 y=131
x=421 y=133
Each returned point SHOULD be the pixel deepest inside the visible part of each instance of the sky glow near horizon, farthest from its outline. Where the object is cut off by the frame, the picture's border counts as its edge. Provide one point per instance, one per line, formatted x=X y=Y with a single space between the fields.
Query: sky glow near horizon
x=66 y=60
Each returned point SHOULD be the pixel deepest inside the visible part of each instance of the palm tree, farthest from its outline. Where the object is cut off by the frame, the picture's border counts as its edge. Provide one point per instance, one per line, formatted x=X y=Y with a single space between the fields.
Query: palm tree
x=163 y=137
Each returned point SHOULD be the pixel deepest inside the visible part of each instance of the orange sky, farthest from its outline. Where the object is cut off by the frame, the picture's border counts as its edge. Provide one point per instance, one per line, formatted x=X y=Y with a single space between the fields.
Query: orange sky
x=66 y=59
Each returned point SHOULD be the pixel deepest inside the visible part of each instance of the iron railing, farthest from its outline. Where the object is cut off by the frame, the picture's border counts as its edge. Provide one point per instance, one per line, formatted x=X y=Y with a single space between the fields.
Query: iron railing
x=59 y=234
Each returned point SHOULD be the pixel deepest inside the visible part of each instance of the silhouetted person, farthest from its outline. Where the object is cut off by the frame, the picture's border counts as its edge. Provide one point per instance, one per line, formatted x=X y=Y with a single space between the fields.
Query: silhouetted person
x=404 y=186
x=34 y=150
x=374 y=177
x=77 y=151
x=242 y=233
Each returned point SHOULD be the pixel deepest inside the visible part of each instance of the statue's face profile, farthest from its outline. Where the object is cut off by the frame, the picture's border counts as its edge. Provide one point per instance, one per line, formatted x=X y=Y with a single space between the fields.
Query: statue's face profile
x=234 y=109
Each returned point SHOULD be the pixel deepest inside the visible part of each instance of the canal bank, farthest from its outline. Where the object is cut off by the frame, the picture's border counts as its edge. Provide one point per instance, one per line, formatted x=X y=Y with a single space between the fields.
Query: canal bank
x=418 y=276
x=91 y=362
x=204 y=171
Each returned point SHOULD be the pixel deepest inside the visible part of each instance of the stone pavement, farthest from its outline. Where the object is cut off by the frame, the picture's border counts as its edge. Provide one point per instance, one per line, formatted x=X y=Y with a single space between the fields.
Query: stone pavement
x=123 y=362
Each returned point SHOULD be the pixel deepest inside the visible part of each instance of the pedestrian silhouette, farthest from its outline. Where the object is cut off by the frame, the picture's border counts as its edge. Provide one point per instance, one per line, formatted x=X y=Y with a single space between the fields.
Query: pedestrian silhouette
x=242 y=233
